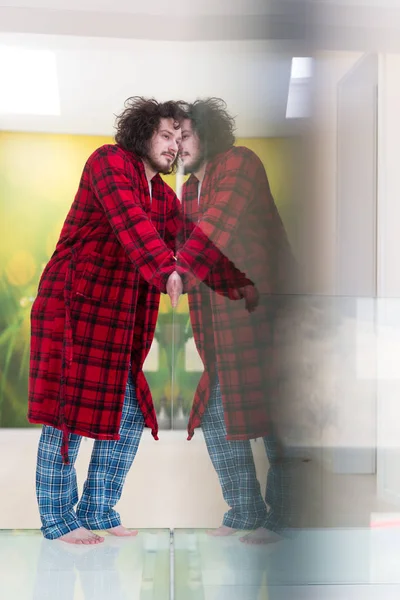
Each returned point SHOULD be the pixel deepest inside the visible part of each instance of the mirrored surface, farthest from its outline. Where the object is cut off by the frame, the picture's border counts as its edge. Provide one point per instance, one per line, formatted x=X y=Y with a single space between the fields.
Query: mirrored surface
x=328 y=561
x=123 y=569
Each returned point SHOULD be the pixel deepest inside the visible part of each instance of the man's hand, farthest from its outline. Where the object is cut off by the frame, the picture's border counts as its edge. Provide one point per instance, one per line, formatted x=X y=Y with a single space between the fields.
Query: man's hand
x=251 y=296
x=174 y=288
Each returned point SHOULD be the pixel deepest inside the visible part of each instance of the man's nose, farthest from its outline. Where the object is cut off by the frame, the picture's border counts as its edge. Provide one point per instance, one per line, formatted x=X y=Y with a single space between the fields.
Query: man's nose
x=174 y=146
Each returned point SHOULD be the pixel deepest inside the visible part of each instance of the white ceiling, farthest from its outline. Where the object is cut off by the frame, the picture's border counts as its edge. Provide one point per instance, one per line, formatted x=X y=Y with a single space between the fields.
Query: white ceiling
x=240 y=50
x=155 y=7
x=96 y=75
x=159 y=20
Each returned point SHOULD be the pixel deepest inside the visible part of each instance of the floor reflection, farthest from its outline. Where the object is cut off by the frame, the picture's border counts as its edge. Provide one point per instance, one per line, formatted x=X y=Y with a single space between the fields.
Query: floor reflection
x=311 y=564
x=121 y=568
x=336 y=564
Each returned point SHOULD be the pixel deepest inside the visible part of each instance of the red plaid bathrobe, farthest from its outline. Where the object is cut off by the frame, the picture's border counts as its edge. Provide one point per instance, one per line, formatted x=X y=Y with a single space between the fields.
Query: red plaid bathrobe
x=238 y=217
x=98 y=299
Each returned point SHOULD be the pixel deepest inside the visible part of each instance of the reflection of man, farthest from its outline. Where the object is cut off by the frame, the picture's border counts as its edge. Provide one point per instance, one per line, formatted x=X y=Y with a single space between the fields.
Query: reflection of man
x=228 y=208
x=83 y=569
x=93 y=322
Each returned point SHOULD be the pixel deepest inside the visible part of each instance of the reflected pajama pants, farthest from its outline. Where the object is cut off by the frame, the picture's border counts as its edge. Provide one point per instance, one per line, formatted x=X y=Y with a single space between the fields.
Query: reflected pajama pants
x=234 y=464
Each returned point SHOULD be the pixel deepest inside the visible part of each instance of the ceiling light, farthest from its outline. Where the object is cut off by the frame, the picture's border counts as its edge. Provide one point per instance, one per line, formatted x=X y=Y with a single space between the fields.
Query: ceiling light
x=302 y=67
x=298 y=102
x=29 y=81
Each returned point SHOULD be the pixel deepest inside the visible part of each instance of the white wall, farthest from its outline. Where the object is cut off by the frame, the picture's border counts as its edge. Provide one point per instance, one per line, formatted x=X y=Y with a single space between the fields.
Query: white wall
x=389 y=281
x=389 y=181
x=330 y=67
x=350 y=394
x=354 y=427
x=172 y=482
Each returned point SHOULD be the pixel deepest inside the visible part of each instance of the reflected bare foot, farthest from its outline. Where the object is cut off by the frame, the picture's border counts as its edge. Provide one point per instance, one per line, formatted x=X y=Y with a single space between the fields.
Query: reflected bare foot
x=121 y=531
x=261 y=536
x=222 y=531
x=81 y=536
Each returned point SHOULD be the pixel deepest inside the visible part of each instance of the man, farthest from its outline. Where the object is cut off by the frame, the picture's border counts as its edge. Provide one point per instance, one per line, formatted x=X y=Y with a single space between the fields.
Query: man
x=228 y=209
x=93 y=322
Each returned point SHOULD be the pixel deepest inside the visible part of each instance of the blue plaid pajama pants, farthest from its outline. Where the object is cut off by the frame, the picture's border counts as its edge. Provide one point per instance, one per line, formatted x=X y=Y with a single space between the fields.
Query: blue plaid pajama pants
x=234 y=464
x=56 y=483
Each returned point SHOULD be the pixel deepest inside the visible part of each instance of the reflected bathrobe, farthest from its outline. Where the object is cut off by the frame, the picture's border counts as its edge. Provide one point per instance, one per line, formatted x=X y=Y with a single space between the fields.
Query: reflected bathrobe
x=235 y=215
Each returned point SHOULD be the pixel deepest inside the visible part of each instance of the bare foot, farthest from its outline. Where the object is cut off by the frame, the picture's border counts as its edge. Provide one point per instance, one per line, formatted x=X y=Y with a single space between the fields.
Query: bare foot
x=121 y=531
x=222 y=531
x=81 y=536
x=261 y=536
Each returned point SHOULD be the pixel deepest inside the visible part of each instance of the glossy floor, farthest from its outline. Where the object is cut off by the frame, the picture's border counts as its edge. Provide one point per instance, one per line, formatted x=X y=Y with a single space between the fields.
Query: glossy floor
x=330 y=564
x=118 y=569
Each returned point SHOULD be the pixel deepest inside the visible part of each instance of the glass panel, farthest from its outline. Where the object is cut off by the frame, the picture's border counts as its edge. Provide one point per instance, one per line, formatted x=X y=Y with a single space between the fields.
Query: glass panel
x=36 y=569
x=207 y=567
x=320 y=369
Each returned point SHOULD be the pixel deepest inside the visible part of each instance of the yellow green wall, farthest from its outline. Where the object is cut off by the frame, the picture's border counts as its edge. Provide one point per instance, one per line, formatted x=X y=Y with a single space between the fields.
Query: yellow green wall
x=39 y=176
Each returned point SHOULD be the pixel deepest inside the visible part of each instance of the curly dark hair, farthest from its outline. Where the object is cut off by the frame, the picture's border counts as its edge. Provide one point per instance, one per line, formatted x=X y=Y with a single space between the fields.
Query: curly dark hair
x=141 y=118
x=213 y=124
